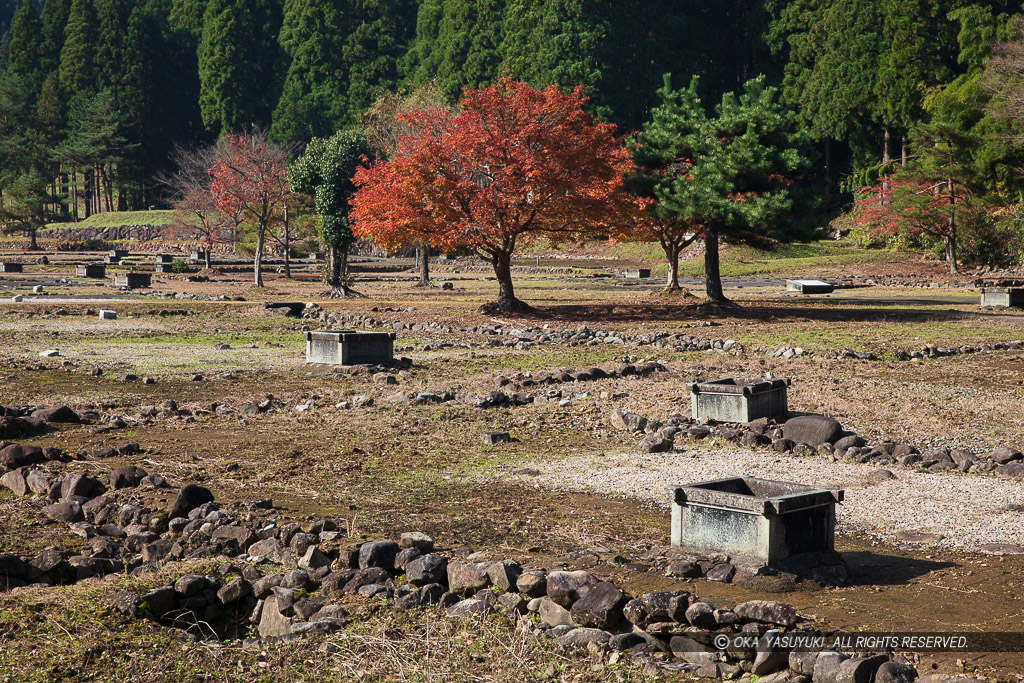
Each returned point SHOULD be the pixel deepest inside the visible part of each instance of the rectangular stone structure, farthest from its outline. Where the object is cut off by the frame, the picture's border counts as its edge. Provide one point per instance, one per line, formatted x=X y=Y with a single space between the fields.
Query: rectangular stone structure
x=756 y=520
x=117 y=254
x=164 y=258
x=809 y=286
x=6 y=267
x=197 y=257
x=348 y=347
x=1004 y=297
x=133 y=280
x=637 y=273
x=91 y=270
x=735 y=399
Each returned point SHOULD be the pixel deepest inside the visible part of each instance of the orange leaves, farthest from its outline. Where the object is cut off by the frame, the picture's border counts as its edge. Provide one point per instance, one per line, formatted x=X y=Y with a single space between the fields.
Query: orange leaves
x=516 y=161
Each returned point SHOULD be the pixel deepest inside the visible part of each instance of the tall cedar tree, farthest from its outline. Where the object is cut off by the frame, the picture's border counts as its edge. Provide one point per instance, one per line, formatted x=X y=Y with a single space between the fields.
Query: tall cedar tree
x=187 y=15
x=25 y=58
x=729 y=174
x=324 y=172
x=55 y=18
x=379 y=33
x=516 y=164
x=78 y=68
x=313 y=101
x=238 y=60
x=458 y=43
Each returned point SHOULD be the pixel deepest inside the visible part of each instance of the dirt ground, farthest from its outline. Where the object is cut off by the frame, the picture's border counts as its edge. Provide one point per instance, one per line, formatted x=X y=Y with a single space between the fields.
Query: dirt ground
x=391 y=468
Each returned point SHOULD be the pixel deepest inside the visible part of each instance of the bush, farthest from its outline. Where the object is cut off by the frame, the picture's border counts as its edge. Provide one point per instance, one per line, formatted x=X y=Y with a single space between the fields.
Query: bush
x=179 y=267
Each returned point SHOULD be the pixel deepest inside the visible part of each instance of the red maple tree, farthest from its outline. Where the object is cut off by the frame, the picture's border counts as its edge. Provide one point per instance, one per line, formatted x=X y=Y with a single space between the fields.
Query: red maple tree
x=515 y=164
x=250 y=180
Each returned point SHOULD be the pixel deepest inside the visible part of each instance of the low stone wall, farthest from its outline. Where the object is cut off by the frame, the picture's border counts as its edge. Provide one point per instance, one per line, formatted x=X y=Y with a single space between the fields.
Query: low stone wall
x=141 y=233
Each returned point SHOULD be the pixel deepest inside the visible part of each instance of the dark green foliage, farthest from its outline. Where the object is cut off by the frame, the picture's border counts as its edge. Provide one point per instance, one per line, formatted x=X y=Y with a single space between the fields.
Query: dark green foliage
x=55 y=19
x=187 y=16
x=238 y=59
x=379 y=33
x=324 y=172
x=313 y=101
x=25 y=57
x=729 y=175
x=78 y=68
x=458 y=43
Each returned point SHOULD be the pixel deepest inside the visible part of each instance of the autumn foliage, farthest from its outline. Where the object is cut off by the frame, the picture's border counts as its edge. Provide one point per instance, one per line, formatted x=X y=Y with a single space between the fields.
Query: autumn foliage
x=249 y=179
x=515 y=164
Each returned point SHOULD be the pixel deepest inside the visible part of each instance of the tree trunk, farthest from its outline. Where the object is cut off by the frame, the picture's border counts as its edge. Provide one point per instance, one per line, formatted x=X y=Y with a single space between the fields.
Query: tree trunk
x=672 y=280
x=286 y=233
x=712 y=273
x=507 y=302
x=951 y=230
x=258 y=261
x=74 y=192
x=334 y=268
x=903 y=150
x=32 y=235
x=828 y=172
x=423 y=260
x=207 y=254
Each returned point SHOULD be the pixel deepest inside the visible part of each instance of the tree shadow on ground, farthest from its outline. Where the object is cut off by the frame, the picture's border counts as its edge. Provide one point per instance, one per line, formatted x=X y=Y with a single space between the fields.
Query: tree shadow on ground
x=877 y=569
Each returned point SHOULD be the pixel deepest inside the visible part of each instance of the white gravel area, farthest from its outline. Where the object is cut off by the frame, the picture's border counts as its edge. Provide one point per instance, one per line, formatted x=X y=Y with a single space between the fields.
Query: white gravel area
x=968 y=510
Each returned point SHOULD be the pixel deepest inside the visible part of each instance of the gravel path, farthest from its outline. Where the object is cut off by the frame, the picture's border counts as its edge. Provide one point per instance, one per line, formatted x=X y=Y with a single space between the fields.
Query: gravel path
x=968 y=510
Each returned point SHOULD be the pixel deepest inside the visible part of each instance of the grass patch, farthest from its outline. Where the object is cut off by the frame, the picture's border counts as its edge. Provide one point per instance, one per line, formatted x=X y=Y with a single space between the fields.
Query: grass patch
x=115 y=219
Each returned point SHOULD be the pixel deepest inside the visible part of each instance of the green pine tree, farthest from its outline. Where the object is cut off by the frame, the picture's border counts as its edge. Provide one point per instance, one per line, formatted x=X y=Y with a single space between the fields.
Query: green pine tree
x=730 y=173
x=187 y=15
x=458 y=44
x=379 y=36
x=238 y=60
x=78 y=67
x=313 y=99
x=55 y=18
x=25 y=58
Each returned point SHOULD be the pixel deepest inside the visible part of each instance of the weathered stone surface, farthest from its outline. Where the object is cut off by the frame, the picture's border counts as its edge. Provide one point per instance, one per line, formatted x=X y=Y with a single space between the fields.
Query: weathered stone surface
x=826 y=667
x=189 y=497
x=504 y=575
x=690 y=650
x=233 y=591
x=625 y=641
x=127 y=477
x=189 y=585
x=59 y=413
x=81 y=485
x=636 y=612
x=896 y=672
x=314 y=559
x=701 y=615
x=947 y=678
x=418 y=540
x=582 y=638
x=660 y=605
x=16 y=455
x=272 y=622
x=405 y=556
x=722 y=572
x=38 y=482
x=628 y=421
x=565 y=588
x=601 y=607
x=767 y=612
x=160 y=600
x=378 y=554
x=655 y=443
x=426 y=570
x=366 y=577
x=68 y=512
x=240 y=535
x=533 y=584
x=553 y=614
x=15 y=481
x=860 y=669
x=802 y=662
x=683 y=569
x=465 y=578
x=513 y=602
x=812 y=429
x=1003 y=455
x=469 y=606
x=1014 y=470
